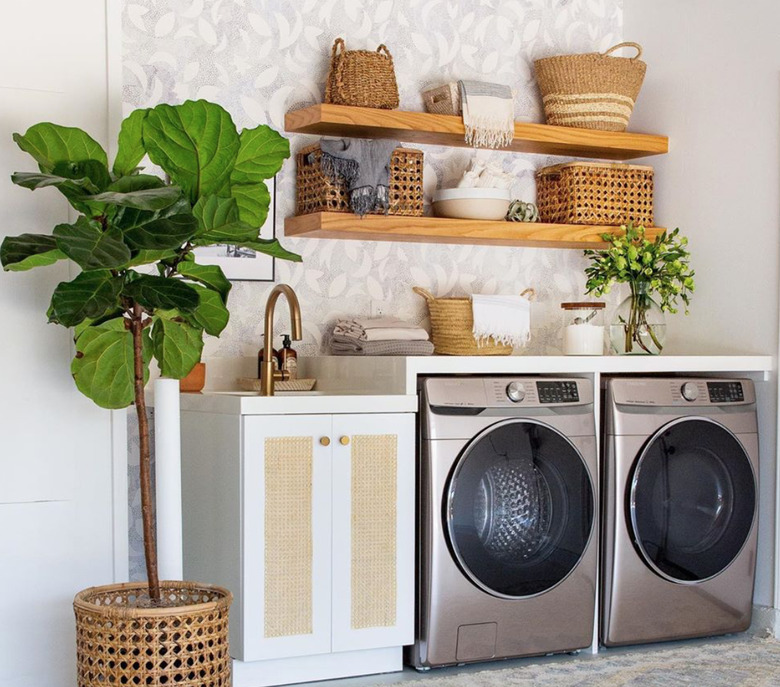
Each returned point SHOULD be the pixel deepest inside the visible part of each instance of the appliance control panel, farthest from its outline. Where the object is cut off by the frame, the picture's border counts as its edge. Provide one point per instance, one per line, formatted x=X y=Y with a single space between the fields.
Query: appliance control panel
x=682 y=391
x=506 y=392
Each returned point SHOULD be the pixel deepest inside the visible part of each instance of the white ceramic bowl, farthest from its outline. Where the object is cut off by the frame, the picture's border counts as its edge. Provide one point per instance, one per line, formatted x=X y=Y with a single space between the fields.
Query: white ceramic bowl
x=471 y=203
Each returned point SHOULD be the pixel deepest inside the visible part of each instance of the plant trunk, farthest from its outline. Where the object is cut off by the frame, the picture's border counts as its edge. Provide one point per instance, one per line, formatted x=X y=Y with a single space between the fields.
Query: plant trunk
x=147 y=507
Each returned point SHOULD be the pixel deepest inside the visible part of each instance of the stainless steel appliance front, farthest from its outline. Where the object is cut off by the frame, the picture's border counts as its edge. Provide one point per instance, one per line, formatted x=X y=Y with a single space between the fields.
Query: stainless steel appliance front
x=679 y=508
x=508 y=493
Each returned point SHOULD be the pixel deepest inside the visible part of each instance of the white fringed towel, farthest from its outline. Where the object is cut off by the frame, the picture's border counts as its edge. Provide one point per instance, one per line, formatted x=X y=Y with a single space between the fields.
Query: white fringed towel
x=505 y=318
x=488 y=114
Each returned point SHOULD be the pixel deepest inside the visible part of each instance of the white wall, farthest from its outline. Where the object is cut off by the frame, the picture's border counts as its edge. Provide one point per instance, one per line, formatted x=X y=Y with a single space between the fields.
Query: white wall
x=713 y=85
x=56 y=527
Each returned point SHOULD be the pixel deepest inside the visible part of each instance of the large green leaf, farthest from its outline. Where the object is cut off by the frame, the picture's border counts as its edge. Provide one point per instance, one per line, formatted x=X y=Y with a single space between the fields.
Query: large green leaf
x=103 y=367
x=50 y=143
x=94 y=170
x=196 y=143
x=211 y=314
x=145 y=199
x=260 y=155
x=130 y=218
x=162 y=293
x=164 y=233
x=147 y=256
x=177 y=346
x=90 y=247
x=219 y=223
x=131 y=143
x=271 y=247
x=90 y=295
x=253 y=201
x=70 y=187
x=23 y=252
x=136 y=182
x=209 y=275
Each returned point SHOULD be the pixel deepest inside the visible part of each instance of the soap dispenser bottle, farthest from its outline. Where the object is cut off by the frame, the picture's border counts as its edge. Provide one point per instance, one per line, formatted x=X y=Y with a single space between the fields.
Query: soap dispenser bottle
x=288 y=358
x=261 y=357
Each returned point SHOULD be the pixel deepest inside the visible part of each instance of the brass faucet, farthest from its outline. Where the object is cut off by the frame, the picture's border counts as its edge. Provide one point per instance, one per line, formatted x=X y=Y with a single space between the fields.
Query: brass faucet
x=267 y=374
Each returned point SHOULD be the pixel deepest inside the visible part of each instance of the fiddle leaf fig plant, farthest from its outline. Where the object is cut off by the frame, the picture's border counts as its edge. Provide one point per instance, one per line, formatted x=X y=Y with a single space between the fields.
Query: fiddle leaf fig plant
x=214 y=192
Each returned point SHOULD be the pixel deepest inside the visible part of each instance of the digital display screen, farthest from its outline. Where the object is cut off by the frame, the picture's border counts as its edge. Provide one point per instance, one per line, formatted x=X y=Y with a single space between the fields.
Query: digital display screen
x=725 y=392
x=557 y=392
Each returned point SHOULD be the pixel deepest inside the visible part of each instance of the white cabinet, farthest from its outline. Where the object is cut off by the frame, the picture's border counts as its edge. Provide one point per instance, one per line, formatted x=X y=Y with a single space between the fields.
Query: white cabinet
x=309 y=520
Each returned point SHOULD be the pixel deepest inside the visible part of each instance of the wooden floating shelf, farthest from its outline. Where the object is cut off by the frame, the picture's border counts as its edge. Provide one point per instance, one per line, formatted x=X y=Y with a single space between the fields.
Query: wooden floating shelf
x=447 y=130
x=338 y=225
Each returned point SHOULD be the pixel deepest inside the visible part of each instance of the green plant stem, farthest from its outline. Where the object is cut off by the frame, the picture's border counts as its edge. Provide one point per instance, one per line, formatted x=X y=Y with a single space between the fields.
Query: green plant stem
x=145 y=463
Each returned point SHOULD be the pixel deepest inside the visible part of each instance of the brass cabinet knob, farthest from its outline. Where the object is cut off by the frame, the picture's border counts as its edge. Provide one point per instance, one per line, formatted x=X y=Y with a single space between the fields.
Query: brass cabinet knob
x=325 y=441
x=344 y=441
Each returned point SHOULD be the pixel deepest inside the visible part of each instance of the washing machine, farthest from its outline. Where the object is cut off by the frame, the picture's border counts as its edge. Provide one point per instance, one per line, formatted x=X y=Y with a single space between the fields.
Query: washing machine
x=680 y=508
x=507 y=499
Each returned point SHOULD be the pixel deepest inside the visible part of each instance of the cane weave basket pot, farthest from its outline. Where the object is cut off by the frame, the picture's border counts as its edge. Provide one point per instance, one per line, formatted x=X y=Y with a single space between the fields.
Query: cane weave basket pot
x=595 y=193
x=317 y=192
x=119 y=641
x=452 y=322
x=591 y=91
x=361 y=78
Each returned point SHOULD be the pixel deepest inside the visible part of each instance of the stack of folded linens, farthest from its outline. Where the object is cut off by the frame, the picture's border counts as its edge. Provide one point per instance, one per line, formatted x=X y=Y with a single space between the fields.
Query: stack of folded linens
x=379 y=336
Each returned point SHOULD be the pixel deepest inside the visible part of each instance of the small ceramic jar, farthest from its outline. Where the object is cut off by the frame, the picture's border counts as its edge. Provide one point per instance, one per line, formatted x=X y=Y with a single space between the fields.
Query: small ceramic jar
x=583 y=328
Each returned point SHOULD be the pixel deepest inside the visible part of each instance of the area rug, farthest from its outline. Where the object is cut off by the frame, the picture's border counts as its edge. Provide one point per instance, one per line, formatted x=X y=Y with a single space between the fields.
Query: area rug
x=741 y=663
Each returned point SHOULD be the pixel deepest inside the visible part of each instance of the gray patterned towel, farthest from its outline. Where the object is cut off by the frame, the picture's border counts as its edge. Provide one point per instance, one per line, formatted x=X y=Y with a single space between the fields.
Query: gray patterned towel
x=350 y=345
x=488 y=113
x=365 y=166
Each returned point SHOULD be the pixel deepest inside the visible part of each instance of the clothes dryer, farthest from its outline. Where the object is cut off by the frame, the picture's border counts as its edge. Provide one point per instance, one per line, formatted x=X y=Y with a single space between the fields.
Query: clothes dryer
x=680 y=496
x=507 y=500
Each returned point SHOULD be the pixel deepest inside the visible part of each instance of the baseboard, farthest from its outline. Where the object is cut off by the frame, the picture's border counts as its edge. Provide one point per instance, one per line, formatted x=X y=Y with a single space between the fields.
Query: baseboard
x=766 y=622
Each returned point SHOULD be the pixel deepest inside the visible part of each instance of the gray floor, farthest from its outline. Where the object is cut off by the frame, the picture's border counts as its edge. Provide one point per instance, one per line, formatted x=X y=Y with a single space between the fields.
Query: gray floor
x=410 y=675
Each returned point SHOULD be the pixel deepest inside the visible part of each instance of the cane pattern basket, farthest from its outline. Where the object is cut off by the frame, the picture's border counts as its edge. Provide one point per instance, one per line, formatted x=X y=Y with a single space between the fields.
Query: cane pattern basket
x=591 y=91
x=121 y=640
x=316 y=192
x=452 y=322
x=595 y=193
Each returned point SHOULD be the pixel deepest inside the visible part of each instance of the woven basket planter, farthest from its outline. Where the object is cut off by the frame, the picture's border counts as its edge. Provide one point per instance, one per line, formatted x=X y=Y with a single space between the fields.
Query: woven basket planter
x=595 y=193
x=316 y=192
x=452 y=322
x=119 y=642
x=591 y=91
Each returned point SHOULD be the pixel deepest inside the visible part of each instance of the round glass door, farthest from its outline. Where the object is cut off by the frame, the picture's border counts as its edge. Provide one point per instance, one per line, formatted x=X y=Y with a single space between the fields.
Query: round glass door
x=692 y=500
x=519 y=509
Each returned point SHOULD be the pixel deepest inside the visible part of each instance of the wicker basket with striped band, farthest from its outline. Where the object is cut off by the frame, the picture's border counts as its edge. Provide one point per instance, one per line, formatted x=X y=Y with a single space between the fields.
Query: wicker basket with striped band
x=591 y=91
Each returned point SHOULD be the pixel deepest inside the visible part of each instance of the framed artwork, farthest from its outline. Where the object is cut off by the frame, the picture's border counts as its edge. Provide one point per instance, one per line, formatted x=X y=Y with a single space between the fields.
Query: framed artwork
x=244 y=264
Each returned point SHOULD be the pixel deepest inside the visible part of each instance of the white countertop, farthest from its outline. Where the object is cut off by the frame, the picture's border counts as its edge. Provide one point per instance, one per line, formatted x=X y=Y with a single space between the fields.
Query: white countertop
x=297 y=403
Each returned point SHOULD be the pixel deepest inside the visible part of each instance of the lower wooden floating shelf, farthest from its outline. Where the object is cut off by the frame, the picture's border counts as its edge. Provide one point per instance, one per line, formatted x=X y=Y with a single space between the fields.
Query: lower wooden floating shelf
x=337 y=225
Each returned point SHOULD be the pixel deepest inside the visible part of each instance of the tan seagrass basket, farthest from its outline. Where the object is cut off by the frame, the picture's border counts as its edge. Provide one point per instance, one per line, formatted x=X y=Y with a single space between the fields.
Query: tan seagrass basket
x=119 y=641
x=443 y=100
x=595 y=193
x=316 y=192
x=452 y=322
x=361 y=78
x=591 y=91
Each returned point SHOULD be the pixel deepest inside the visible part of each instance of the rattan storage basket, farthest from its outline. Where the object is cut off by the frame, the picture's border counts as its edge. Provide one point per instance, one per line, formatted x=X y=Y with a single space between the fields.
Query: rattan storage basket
x=443 y=100
x=121 y=642
x=591 y=91
x=316 y=192
x=595 y=193
x=361 y=78
x=452 y=322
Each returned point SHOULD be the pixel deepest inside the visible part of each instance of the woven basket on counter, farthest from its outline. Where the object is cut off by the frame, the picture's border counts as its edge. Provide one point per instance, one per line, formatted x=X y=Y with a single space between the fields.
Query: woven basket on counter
x=361 y=78
x=121 y=640
x=591 y=91
x=316 y=192
x=595 y=193
x=452 y=322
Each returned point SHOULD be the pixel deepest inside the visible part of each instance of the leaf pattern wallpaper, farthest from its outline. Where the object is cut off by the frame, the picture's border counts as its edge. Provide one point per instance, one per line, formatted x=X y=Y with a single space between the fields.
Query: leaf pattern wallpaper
x=261 y=58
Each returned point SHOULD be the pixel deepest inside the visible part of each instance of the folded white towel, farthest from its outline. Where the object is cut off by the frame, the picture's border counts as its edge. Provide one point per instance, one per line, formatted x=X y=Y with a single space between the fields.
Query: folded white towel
x=396 y=334
x=505 y=318
x=380 y=329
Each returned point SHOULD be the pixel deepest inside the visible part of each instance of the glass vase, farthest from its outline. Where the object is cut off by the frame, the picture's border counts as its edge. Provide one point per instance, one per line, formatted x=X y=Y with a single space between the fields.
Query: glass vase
x=639 y=325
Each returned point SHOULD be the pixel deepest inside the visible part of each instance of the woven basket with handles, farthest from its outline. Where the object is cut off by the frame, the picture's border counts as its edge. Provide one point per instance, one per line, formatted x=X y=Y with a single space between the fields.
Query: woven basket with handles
x=591 y=91
x=361 y=78
x=452 y=322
